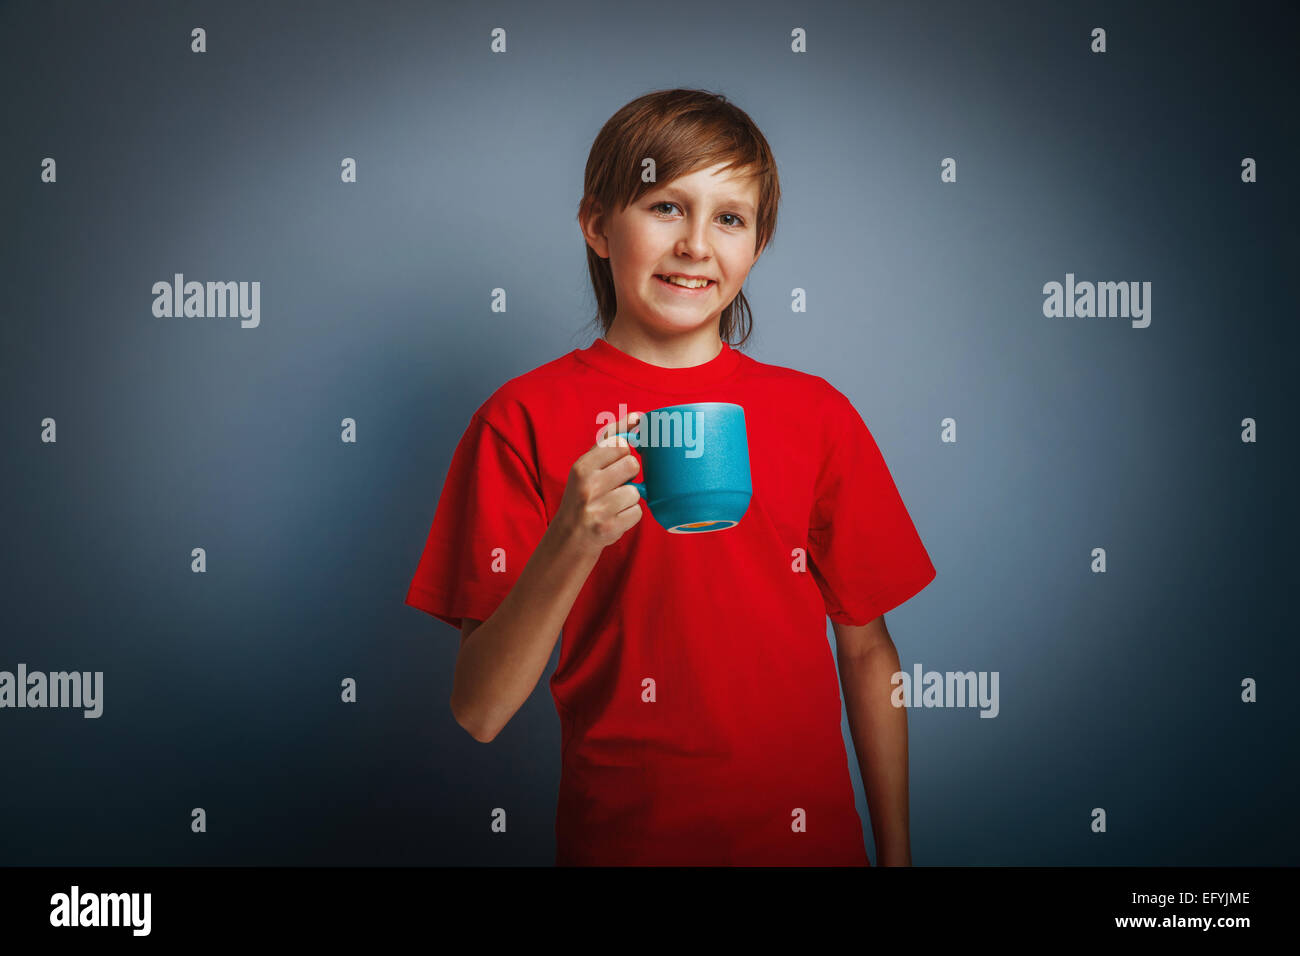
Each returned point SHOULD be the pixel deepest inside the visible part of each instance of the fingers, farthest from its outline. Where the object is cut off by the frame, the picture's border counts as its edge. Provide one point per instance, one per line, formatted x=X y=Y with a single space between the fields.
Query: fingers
x=610 y=462
x=610 y=448
x=631 y=514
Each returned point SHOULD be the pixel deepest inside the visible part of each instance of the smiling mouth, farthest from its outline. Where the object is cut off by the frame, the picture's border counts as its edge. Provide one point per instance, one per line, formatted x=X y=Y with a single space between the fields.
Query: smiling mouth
x=687 y=288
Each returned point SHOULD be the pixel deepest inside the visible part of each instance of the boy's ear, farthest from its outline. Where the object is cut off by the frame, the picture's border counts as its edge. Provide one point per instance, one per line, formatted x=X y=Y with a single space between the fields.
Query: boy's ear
x=592 y=222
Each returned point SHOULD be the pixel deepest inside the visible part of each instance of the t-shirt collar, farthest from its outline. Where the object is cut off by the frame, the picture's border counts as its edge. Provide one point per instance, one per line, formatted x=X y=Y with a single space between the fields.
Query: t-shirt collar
x=601 y=355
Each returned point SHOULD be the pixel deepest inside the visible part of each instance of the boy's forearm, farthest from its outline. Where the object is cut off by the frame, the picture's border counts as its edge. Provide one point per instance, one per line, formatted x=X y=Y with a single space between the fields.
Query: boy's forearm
x=501 y=662
x=879 y=732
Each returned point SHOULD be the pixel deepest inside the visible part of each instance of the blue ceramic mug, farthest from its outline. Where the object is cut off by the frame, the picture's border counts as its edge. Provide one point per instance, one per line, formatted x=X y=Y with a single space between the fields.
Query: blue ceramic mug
x=695 y=465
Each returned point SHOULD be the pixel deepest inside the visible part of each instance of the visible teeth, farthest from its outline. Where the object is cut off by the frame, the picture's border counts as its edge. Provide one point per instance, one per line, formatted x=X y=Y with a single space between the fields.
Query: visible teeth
x=689 y=283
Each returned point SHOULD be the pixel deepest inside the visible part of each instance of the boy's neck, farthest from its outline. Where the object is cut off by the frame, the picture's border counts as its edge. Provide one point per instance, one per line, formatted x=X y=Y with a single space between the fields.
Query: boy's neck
x=680 y=350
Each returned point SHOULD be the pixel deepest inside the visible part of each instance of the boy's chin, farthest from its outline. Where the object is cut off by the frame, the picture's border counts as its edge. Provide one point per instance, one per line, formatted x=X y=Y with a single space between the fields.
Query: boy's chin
x=669 y=325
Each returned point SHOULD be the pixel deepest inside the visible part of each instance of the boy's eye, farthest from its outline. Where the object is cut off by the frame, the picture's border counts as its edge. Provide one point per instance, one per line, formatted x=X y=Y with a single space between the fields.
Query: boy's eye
x=730 y=215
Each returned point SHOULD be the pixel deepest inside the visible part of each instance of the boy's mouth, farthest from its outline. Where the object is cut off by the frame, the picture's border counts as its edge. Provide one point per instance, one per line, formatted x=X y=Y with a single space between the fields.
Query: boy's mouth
x=694 y=287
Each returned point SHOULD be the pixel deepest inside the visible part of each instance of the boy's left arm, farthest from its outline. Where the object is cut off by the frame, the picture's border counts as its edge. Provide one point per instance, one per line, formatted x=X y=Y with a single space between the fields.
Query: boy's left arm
x=867 y=662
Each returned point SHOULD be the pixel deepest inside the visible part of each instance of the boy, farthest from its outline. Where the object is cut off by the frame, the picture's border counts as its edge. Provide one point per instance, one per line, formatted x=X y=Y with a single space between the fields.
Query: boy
x=696 y=690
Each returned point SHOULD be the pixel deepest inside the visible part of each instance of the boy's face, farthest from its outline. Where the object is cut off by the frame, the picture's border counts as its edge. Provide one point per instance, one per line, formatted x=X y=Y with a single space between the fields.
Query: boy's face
x=701 y=224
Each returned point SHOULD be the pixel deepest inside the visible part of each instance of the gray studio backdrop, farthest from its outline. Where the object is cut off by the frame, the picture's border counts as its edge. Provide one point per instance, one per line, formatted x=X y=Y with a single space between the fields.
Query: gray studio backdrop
x=1120 y=691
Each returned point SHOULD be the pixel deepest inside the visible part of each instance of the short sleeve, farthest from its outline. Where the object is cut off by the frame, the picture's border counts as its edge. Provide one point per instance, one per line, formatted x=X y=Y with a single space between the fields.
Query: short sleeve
x=489 y=520
x=864 y=551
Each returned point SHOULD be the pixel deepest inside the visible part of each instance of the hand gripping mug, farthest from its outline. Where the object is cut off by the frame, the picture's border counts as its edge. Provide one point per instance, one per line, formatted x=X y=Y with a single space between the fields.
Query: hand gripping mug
x=695 y=466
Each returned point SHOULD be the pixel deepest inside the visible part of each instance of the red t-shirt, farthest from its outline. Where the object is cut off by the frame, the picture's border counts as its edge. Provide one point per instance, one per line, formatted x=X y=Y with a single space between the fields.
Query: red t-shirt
x=739 y=758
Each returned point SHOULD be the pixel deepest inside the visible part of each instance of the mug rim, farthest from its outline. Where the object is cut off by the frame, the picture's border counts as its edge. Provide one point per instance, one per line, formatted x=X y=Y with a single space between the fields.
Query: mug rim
x=669 y=408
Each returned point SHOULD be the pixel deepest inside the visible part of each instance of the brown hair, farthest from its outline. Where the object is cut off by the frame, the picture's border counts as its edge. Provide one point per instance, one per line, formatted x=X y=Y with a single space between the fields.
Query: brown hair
x=683 y=130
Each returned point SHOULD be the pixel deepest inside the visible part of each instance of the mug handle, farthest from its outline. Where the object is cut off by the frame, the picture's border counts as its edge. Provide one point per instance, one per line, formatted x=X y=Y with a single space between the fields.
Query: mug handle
x=639 y=486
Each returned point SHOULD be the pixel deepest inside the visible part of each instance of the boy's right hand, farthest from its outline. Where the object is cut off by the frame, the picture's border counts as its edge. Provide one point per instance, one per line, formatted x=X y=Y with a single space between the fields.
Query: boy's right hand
x=598 y=506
